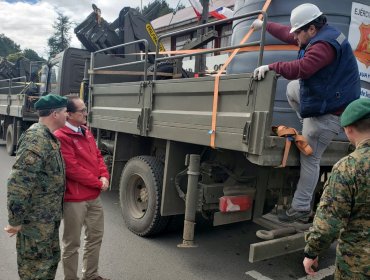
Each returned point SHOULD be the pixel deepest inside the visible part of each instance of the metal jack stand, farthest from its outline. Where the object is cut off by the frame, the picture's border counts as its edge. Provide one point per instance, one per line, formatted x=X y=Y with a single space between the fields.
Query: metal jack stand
x=191 y=203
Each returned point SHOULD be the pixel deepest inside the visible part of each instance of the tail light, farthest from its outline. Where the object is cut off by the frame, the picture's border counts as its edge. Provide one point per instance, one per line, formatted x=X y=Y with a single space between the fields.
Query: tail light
x=235 y=203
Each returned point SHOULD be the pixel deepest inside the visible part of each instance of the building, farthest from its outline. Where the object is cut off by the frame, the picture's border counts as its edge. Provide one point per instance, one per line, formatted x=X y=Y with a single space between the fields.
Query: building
x=187 y=18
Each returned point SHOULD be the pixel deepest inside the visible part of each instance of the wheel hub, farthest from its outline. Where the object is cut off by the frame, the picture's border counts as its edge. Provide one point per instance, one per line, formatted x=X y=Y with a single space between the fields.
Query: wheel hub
x=138 y=204
x=143 y=194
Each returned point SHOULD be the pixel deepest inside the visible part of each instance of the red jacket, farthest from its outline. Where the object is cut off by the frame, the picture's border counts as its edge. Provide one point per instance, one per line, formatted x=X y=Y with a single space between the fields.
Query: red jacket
x=84 y=164
x=315 y=58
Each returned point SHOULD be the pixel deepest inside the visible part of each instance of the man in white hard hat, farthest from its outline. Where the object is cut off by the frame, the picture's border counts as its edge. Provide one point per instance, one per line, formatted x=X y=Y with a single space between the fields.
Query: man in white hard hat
x=325 y=80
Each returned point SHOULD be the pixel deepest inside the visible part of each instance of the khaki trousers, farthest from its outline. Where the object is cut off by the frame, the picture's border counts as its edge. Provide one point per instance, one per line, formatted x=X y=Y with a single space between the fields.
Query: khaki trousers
x=87 y=214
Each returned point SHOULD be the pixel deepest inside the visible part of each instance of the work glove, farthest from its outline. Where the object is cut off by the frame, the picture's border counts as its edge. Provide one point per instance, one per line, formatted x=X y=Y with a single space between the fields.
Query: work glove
x=257 y=24
x=259 y=72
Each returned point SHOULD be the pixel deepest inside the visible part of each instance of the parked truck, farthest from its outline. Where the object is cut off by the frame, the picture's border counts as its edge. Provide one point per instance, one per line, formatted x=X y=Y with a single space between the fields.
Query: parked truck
x=174 y=147
x=157 y=137
x=19 y=90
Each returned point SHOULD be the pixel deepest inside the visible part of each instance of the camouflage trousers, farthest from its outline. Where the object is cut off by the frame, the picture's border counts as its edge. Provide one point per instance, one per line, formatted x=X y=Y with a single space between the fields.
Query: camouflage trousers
x=38 y=251
x=343 y=273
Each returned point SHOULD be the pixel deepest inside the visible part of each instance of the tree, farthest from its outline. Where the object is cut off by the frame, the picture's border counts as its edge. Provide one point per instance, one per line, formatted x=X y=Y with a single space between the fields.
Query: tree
x=12 y=51
x=158 y=8
x=13 y=57
x=8 y=46
x=32 y=55
x=27 y=53
x=61 y=38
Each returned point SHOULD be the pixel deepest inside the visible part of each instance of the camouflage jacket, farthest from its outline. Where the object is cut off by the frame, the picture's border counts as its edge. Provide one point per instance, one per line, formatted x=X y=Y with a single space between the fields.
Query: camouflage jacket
x=344 y=214
x=37 y=181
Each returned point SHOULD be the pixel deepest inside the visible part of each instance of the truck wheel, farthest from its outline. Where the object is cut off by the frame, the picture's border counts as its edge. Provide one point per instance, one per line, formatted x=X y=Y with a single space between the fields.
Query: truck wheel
x=10 y=141
x=141 y=194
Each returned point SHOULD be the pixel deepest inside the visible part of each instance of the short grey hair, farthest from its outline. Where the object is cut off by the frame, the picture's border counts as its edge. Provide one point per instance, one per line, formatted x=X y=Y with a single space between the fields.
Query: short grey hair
x=48 y=112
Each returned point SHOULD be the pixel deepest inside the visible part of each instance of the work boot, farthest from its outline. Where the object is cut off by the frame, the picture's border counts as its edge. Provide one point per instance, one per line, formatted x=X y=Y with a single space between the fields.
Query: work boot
x=291 y=215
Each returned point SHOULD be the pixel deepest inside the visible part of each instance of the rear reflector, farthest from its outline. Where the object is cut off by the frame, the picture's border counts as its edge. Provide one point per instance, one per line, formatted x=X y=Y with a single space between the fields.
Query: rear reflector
x=235 y=203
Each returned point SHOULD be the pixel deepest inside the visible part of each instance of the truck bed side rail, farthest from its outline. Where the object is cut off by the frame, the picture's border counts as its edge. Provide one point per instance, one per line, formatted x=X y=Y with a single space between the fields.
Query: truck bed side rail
x=13 y=85
x=260 y=42
x=102 y=70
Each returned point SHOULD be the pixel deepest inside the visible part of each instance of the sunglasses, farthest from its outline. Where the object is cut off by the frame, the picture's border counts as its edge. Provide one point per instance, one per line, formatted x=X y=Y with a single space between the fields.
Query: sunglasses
x=84 y=110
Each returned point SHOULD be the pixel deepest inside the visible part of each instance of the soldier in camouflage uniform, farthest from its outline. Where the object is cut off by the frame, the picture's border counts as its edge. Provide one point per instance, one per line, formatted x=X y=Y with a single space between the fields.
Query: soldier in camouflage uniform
x=344 y=209
x=35 y=193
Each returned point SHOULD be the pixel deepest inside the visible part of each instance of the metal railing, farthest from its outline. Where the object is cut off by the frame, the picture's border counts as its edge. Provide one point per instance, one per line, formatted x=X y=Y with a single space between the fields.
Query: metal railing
x=13 y=83
x=158 y=59
x=143 y=61
x=260 y=42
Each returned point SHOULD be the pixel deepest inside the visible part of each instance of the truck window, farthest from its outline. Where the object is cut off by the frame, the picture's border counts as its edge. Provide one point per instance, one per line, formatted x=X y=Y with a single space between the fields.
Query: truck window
x=43 y=78
x=53 y=78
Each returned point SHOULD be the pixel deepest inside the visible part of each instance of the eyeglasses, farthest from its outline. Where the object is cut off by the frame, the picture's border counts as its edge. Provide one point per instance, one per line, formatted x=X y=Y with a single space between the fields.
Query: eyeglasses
x=84 y=110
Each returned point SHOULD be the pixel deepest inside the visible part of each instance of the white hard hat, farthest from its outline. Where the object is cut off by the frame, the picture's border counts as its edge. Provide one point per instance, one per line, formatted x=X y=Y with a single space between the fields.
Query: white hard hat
x=302 y=15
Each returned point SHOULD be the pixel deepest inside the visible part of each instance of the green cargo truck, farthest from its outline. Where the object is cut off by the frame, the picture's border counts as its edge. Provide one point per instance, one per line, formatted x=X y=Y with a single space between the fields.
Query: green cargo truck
x=155 y=130
x=19 y=94
x=156 y=134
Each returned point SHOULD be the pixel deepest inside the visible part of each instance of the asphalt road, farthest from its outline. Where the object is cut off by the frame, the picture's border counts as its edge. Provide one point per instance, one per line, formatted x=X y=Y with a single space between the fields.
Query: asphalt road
x=222 y=252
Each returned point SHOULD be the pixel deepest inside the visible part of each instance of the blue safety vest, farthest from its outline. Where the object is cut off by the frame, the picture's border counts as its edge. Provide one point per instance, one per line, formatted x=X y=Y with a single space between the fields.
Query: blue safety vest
x=333 y=87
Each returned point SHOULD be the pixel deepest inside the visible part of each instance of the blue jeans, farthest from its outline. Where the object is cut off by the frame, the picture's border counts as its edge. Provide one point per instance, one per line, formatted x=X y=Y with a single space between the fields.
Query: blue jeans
x=319 y=132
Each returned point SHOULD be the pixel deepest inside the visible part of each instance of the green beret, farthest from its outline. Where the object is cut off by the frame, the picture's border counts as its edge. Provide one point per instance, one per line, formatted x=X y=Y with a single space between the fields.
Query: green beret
x=51 y=101
x=355 y=111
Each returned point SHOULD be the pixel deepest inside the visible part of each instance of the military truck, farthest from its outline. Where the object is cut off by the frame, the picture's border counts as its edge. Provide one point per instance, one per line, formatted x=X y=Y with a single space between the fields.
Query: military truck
x=179 y=146
x=19 y=89
x=22 y=83
x=22 y=86
x=176 y=144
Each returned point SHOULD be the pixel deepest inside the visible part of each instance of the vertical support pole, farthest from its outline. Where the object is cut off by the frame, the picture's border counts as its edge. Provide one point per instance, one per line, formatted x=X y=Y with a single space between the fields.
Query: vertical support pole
x=200 y=60
x=17 y=131
x=98 y=138
x=191 y=202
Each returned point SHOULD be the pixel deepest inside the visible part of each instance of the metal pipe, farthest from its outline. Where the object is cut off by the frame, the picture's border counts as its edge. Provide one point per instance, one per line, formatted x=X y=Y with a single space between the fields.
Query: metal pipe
x=191 y=202
x=208 y=51
x=275 y=233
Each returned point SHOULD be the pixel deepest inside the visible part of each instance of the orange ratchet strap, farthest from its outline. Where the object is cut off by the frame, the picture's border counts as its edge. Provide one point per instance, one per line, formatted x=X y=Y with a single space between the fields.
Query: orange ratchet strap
x=291 y=135
x=245 y=49
x=212 y=132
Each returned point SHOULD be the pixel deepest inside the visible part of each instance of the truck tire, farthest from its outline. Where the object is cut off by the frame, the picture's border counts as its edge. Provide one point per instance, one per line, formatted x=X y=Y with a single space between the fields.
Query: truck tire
x=10 y=141
x=141 y=195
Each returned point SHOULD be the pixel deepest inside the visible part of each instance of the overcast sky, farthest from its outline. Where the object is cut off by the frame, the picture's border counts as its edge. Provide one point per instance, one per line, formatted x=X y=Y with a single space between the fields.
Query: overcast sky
x=29 y=23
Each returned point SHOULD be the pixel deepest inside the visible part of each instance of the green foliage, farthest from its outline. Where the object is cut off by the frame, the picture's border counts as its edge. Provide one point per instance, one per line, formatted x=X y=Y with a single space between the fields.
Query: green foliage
x=13 y=57
x=32 y=55
x=12 y=51
x=61 y=38
x=8 y=46
x=158 y=8
x=27 y=53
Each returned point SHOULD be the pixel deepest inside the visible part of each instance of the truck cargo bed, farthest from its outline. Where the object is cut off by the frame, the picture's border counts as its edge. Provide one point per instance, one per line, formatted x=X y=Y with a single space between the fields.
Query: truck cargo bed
x=181 y=110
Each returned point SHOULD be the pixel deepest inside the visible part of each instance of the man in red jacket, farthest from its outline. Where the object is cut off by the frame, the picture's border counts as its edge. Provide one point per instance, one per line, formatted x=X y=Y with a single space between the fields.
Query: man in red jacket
x=87 y=176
